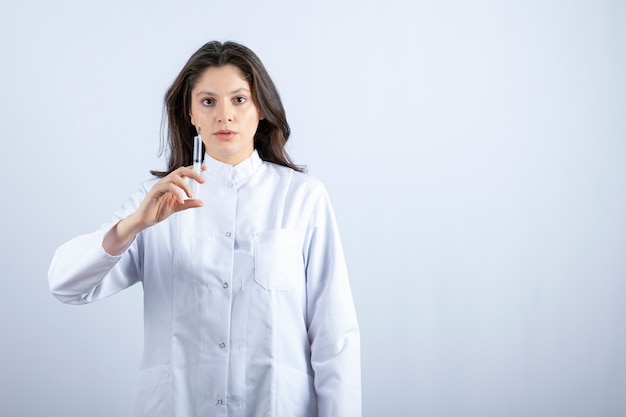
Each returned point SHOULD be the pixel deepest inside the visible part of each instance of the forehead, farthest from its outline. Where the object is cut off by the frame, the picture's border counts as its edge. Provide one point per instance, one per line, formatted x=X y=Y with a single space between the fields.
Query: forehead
x=221 y=80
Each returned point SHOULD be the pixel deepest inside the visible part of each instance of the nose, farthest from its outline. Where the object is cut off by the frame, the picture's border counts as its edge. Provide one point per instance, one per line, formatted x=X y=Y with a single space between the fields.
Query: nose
x=224 y=113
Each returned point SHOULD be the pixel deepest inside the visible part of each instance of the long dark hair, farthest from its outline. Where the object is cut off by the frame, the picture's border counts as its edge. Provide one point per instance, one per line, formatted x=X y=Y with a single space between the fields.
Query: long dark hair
x=273 y=131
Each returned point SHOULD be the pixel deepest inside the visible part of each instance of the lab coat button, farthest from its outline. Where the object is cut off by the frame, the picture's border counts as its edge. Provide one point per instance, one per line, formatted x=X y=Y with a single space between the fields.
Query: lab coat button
x=230 y=184
x=220 y=402
x=222 y=345
x=228 y=234
x=225 y=285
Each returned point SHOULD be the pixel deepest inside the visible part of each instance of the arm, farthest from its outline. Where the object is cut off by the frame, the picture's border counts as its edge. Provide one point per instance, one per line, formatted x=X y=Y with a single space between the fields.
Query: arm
x=81 y=271
x=333 y=327
x=99 y=264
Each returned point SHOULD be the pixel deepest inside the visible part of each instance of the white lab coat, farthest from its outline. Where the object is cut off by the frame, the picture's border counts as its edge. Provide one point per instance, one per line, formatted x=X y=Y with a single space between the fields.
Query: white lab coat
x=247 y=305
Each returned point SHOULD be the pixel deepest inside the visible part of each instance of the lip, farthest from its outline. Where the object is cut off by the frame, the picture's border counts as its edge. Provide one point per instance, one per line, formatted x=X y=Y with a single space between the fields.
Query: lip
x=225 y=134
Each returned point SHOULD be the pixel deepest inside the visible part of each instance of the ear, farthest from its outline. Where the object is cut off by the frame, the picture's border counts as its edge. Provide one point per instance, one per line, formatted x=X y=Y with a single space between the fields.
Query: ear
x=191 y=117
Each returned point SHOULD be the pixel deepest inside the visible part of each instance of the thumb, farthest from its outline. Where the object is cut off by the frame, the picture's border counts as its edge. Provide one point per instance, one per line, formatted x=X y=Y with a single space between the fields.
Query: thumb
x=189 y=203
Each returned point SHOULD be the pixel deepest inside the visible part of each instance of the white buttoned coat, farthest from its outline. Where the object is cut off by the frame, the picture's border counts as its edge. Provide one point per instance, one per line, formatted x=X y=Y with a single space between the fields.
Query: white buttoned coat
x=247 y=306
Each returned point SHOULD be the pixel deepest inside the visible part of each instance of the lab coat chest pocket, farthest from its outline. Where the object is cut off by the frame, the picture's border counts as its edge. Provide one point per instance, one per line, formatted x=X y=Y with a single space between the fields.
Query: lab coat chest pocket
x=278 y=260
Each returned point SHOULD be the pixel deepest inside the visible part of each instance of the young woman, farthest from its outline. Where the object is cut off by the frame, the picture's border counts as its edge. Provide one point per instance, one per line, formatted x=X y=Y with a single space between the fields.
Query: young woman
x=247 y=305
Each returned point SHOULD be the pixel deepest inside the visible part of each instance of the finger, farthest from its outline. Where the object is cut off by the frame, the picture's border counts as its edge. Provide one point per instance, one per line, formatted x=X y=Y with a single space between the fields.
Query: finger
x=182 y=184
x=165 y=187
x=189 y=172
x=177 y=178
x=187 y=204
x=174 y=190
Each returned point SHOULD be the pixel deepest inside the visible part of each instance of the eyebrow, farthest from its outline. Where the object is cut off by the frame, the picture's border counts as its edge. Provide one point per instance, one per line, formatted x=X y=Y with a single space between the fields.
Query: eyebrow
x=208 y=93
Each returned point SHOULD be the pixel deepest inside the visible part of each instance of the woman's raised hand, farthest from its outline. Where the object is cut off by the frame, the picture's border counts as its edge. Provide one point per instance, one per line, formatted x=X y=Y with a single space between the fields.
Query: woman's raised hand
x=164 y=199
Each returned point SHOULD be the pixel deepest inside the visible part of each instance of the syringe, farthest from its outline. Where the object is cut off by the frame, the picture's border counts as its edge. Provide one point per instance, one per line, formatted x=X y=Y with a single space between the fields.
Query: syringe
x=197 y=161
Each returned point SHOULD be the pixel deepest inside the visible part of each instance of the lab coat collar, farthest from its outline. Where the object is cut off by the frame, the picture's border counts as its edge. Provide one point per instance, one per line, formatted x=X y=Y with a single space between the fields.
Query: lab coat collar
x=233 y=174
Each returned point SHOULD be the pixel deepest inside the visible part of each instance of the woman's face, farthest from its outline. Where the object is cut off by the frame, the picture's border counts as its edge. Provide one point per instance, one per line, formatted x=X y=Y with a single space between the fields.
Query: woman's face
x=221 y=104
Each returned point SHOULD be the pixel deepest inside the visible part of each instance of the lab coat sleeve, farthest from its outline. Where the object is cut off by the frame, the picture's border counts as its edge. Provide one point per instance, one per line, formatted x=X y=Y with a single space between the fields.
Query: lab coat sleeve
x=333 y=329
x=81 y=271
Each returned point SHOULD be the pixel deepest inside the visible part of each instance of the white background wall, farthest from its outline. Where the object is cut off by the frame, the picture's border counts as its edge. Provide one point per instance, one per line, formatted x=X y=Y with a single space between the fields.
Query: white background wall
x=475 y=152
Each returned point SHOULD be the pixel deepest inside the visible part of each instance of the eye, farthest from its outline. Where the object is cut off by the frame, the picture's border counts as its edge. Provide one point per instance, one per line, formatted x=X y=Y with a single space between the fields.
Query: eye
x=239 y=100
x=207 y=101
